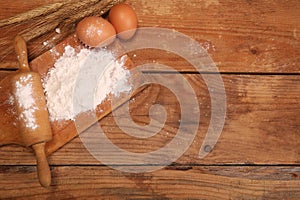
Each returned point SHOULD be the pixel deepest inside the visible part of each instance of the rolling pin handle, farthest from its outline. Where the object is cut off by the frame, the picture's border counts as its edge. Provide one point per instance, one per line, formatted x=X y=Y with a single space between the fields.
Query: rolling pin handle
x=21 y=51
x=43 y=169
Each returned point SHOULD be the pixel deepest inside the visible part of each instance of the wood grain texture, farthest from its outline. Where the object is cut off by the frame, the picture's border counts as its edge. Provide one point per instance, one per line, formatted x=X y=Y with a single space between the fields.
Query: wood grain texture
x=90 y=182
x=240 y=36
x=262 y=124
x=256 y=47
x=263 y=36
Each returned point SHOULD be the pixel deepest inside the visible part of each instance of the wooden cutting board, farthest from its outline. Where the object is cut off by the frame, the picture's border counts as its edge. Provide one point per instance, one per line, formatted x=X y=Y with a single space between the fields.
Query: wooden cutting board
x=65 y=130
x=38 y=25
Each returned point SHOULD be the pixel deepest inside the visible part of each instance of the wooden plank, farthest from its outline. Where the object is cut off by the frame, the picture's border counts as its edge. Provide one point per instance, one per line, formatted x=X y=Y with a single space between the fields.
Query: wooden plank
x=185 y=182
x=262 y=125
x=240 y=36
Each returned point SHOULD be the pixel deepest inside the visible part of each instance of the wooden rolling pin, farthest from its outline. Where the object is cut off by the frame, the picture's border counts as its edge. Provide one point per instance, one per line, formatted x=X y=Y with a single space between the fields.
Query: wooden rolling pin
x=37 y=137
x=32 y=127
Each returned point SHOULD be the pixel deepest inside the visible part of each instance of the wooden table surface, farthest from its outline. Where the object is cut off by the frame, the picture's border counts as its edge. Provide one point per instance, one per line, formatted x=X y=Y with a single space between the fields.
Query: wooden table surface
x=256 y=47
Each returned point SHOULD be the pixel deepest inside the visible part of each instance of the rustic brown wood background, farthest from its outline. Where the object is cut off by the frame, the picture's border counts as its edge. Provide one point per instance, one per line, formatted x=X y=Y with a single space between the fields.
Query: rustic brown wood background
x=255 y=44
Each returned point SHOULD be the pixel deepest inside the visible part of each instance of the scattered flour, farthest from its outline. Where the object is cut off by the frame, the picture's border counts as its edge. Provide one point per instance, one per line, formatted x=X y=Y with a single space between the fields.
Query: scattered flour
x=79 y=81
x=54 y=53
x=26 y=101
x=11 y=100
x=57 y=30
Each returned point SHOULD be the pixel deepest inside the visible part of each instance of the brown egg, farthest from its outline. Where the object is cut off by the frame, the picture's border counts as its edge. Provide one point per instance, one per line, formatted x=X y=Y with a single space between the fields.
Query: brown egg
x=124 y=19
x=95 y=31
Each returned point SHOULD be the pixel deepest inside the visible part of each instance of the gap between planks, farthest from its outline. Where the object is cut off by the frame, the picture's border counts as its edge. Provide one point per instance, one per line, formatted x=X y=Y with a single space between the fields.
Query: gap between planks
x=205 y=182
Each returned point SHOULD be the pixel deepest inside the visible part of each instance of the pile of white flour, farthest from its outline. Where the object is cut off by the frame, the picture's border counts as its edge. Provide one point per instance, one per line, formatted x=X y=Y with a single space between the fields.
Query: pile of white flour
x=79 y=81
